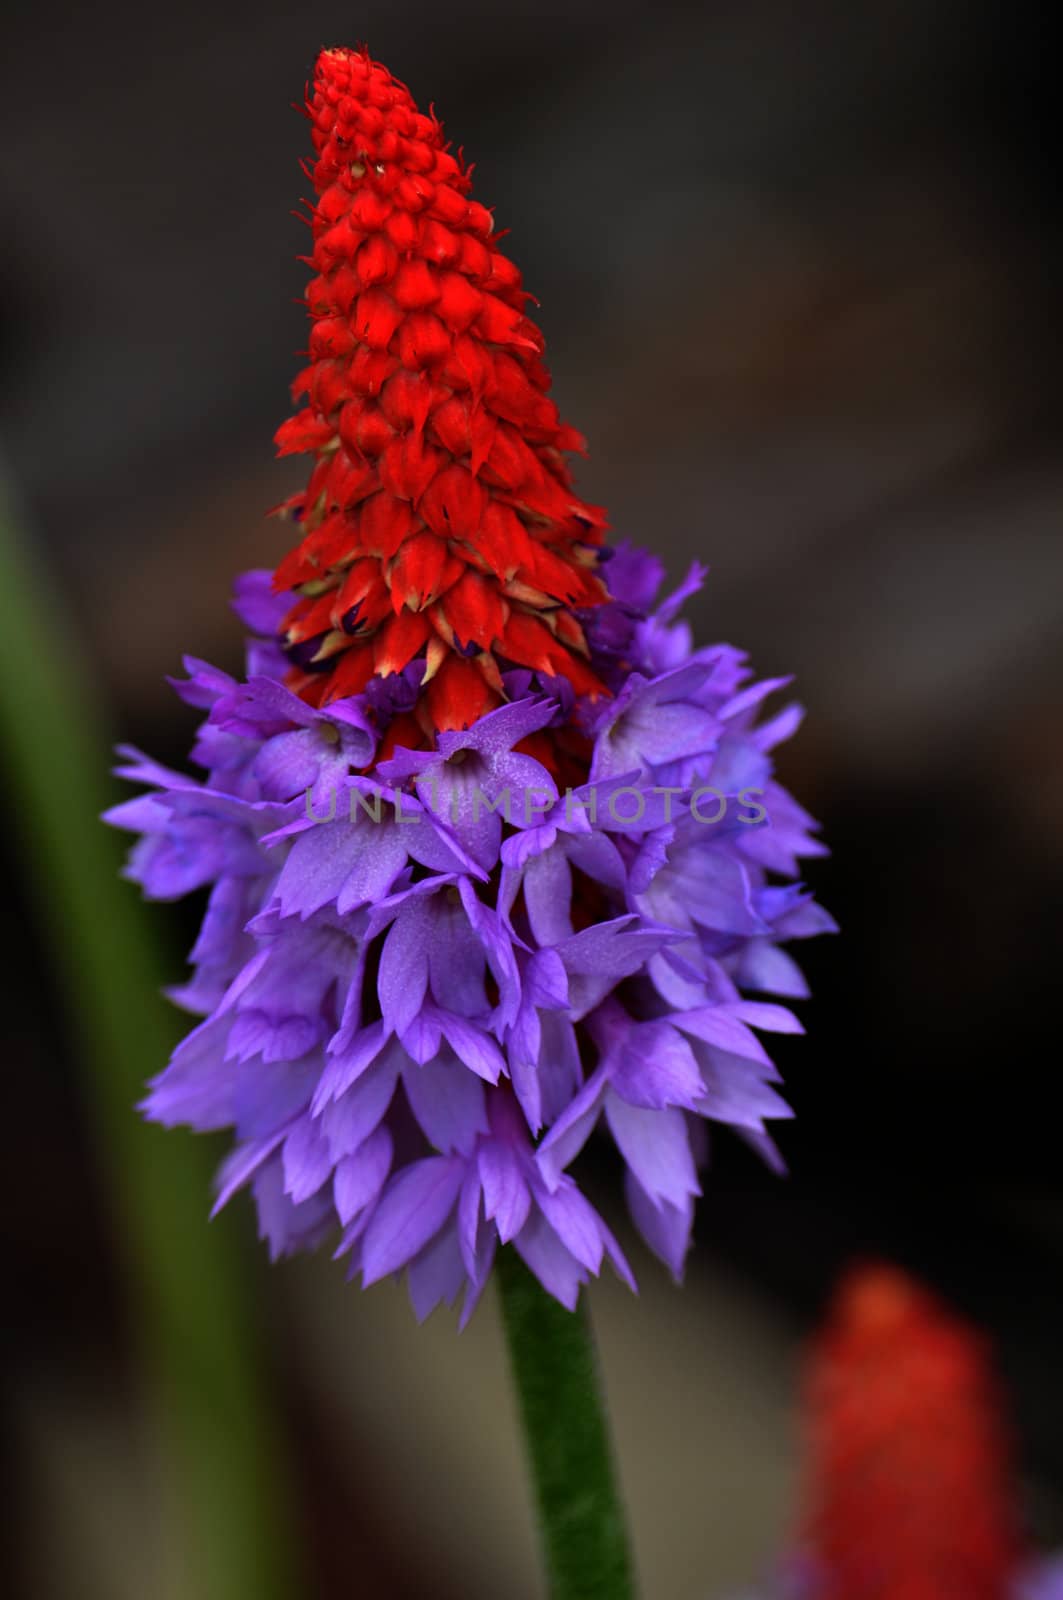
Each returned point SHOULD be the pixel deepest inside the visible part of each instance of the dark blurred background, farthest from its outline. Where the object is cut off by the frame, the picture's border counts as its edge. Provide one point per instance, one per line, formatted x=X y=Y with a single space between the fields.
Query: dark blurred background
x=798 y=271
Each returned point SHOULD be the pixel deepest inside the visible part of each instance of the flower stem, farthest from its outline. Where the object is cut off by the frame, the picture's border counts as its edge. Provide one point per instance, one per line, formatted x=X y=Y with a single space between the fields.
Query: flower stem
x=555 y=1369
x=192 y=1308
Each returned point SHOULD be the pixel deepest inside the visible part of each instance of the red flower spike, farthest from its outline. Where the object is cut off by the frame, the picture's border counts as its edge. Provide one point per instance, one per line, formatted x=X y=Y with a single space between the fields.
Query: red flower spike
x=440 y=518
x=908 y=1460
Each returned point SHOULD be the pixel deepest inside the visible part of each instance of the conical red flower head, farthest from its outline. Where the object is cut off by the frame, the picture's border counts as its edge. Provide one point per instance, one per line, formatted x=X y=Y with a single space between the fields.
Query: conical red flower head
x=439 y=522
x=908 y=1474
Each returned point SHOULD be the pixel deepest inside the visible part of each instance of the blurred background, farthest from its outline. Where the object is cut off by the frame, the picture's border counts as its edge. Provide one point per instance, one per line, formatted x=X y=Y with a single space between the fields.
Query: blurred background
x=798 y=271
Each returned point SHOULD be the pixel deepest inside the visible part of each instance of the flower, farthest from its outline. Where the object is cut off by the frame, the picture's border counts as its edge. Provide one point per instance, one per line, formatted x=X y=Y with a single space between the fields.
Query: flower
x=440 y=516
x=909 y=1470
x=494 y=855
x=909 y=1484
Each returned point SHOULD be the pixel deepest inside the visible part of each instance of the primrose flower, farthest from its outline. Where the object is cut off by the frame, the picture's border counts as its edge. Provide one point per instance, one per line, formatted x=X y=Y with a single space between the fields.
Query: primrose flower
x=909 y=1483
x=495 y=856
x=909 y=1476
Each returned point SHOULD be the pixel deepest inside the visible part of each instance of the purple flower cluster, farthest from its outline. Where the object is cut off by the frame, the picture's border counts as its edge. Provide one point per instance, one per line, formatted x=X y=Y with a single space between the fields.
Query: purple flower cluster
x=419 y=1000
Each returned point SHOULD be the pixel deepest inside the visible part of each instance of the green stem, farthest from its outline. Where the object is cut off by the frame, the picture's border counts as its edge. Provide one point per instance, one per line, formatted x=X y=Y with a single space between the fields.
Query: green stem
x=193 y=1315
x=555 y=1369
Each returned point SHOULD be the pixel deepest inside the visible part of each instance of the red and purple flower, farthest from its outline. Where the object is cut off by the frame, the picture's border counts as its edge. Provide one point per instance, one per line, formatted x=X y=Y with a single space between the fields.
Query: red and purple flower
x=495 y=856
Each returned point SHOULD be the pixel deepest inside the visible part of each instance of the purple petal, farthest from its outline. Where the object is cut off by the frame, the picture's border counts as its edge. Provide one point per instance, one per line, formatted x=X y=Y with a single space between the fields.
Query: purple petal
x=145 y=813
x=496 y=733
x=139 y=768
x=654 y=1144
x=663 y=733
x=424 y=1036
x=288 y=1226
x=204 y=685
x=456 y=960
x=559 y=1071
x=543 y=1254
x=346 y=1066
x=614 y=949
x=458 y=799
x=498 y=947
x=507 y=1199
x=691 y=584
x=765 y=1147
x=545 y=980
x=373 y=864
x=720 y=895
x=773 y=1019
x=548 y=897
x=653 y=1066
x=359 y=1178
x=665 y=1228
x=719 y=1026
x=763 y=966
x=414 y=1207
x=575 y=1222
x=778 y=728
x=255 y=1033
x=316 y=868
x=737 y=1090
x=448 y=1103
x=307 y=1161
x=617 y=1258
x=403 y=979
x=289 y=763
x=635 y=575
x=596 y=855
x=240 y=1166
x=528 y=1090
x=349 y=1120
x=256 y=602
x=195 y=1088
x=473 y=1290
x=261 y=706
x=752 y=696
x=476 y=1235
x=437 y=1274
x=477 y=1049
x=268 y=1094
x=572 y=1129
x=805 y=921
